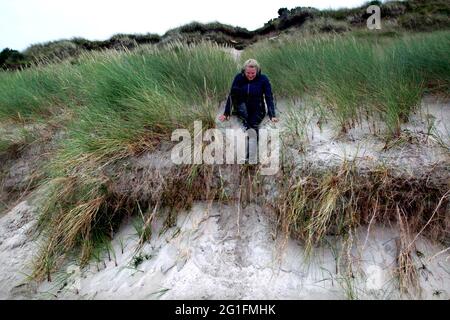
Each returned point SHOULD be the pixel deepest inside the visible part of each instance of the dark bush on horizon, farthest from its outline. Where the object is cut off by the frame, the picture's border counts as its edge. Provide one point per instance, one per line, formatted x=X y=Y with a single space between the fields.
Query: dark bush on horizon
x=202 y=28
x=12 y=60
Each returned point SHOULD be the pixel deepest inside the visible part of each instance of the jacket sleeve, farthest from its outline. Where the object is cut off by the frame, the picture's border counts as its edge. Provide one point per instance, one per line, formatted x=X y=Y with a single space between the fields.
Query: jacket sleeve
x=229 y=99
x=269 y=97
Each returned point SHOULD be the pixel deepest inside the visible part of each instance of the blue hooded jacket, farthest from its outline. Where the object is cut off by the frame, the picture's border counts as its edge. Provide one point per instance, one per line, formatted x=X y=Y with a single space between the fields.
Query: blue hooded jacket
x=252 y=93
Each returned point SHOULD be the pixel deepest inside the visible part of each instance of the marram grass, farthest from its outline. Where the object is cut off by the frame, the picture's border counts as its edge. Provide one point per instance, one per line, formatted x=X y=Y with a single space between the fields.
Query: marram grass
x=357 y=76
x=129 y=103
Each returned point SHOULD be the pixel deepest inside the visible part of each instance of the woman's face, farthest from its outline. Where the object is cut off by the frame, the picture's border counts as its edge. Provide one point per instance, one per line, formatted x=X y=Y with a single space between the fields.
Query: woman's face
x=250 y=73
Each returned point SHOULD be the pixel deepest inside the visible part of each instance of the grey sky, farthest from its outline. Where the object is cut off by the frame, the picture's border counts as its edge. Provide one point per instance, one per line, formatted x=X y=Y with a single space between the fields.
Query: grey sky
x=25 y=22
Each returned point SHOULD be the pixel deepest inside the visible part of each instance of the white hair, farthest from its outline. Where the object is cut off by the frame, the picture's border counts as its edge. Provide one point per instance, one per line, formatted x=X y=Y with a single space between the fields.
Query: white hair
x=252 y=63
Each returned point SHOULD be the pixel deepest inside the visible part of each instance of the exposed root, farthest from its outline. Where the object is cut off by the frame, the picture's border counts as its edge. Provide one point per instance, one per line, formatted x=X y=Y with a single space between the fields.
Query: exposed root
x=336 y=201
x=406 y=269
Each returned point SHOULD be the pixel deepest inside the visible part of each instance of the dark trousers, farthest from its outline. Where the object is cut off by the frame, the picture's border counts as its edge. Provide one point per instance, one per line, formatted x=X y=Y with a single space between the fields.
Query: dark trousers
x=251 y=119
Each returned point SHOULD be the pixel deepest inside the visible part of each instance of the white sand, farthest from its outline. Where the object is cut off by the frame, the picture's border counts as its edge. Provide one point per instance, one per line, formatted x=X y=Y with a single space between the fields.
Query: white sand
x=16 y=248
x=207 y=255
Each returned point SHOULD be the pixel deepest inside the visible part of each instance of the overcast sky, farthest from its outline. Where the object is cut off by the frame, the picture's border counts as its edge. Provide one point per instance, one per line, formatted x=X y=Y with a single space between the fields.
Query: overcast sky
x=25 y=22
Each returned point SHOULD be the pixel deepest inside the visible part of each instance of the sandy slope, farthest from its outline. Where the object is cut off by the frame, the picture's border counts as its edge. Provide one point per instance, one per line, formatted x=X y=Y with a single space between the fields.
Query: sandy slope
x=16 y=248
x=210 y=255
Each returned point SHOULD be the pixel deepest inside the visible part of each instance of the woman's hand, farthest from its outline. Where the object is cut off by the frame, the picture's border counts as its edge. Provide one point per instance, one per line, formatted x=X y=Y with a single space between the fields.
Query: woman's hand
x=223 y=117
x=274 y=119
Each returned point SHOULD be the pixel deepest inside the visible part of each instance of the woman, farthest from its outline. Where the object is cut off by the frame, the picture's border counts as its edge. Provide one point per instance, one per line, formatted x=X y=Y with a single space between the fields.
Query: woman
x=248 y=90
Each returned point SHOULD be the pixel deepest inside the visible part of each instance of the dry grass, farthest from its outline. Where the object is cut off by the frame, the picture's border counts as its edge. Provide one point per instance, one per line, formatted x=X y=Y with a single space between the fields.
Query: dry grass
x=77 y=214
x=338 y=200
x=407 y=273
